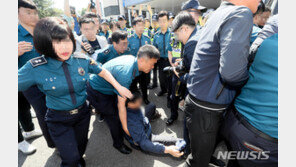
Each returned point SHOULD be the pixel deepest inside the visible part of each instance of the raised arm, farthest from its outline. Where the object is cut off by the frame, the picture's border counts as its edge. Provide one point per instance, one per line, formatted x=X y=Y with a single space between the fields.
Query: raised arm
x=124 y=92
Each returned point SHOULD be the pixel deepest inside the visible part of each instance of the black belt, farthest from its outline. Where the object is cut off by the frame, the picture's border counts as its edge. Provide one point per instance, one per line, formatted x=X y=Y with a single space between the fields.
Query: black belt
x=252 y=128
x=70 y=112
x=207 y=105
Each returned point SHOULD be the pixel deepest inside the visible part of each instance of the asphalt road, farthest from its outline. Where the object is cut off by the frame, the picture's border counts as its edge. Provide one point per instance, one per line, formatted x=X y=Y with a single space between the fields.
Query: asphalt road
x=100 y=152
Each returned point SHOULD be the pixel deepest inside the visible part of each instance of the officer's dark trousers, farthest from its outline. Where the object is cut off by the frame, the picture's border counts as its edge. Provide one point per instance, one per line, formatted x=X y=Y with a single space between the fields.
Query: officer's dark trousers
x=238 y=136
x=37 y=99
x=107 y=105
x=69 y=133
x=175 y=99
x=203 y=126
x=24 y=116
x=164 y=79
x=142 y=79
x=154 y=71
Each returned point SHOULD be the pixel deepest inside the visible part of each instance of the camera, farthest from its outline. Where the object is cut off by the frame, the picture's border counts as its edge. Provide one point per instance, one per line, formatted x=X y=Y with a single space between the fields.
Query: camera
x=181 y=69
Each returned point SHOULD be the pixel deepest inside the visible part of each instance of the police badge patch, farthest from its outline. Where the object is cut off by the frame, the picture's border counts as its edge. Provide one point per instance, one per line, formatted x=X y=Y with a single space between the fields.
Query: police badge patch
x=81 y=71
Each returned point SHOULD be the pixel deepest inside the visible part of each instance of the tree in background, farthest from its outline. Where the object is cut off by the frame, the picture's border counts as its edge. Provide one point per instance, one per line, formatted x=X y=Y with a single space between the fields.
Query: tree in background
x=45 y=8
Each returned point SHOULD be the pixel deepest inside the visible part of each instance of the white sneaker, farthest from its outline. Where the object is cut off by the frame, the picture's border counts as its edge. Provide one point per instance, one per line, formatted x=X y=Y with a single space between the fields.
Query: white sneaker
x=32 y=134
x=26 y=147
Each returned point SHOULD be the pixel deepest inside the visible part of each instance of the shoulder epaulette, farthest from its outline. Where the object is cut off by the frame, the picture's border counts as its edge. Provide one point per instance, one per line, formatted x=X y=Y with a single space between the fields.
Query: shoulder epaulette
x=79 y=55
x=107 y=51
x=38 y=61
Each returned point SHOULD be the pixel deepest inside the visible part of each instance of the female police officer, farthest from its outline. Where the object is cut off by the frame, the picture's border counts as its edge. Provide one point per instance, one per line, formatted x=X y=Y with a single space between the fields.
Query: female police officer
x=62 y=77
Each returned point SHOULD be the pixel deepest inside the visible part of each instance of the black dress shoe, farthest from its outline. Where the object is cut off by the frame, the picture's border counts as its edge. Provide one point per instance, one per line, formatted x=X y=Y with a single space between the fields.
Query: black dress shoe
x=170 y=121
x=161 y=93
x=146 y=101
x=124 y=149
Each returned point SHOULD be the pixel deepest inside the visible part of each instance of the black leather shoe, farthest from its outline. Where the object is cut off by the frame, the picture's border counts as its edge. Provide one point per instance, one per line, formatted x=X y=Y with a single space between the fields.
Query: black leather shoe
x=151 y=86
x=146 y=101
x=170 y=121
x=161 y=93
x=124 y=149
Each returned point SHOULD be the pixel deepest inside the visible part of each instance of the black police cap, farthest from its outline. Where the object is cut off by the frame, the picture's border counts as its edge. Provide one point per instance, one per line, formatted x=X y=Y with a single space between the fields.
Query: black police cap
x=193 y=4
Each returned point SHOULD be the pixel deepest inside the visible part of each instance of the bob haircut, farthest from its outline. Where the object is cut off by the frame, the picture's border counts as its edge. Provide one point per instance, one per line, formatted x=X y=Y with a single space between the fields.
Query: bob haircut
x=47 y=30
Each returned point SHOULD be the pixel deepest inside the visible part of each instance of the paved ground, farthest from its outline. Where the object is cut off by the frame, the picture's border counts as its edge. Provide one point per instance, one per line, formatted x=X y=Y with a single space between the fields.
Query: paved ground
x=100 y=152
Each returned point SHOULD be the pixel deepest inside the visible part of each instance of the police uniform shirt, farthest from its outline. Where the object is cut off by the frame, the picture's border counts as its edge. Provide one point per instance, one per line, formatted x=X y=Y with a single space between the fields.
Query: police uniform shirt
x=162 y=43
x=124 y=69
x=135 y=43
x=24 y=35
x=48 y=74
x=108 y=53
x=107 y=35
x=221 y=54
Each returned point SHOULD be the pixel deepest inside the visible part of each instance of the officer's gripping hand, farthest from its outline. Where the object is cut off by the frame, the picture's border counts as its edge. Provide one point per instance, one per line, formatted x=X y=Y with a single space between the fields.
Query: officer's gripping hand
x=124 y=92
x=173 y=151
x=24 y=47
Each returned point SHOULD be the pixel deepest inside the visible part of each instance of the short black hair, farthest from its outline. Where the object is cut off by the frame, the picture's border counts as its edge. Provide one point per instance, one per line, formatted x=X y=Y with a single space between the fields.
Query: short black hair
x=114 y=24
x=90 y=15
x=260 y=9
x=162 y=13
x=149 y=51
x=47 y=30
x=118 y=35
x=182 y=18
x=27 y=4
x=137 y=20
x=86 y=20
x=136 y=96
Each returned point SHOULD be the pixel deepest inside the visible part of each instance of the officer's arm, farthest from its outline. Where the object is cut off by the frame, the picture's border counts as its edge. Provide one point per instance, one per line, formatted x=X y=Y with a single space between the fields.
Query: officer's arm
x=101 y=58
x=234 y=39
x=25 y=77
x=124 y=92
x=122 y=114
x=170 y=56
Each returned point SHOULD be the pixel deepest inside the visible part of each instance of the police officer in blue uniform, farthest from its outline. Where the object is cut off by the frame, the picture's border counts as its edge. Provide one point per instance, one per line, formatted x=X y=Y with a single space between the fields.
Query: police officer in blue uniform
x=155 y=29
x=118 y=48
x=25 y=38
x=162 y=42
x=105 y=98
x=105 y=31
x=62 y=77
x=135 y=42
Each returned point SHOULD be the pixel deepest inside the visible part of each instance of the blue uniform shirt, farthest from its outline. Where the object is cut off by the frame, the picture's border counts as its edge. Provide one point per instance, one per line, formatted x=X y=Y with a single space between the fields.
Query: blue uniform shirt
x=24 y=35
x=108 y=53
x=124 y=69
x=50 y=79
x=258 y=101
x=255 y=32
x=162 y=43
x=135 y=43
x=221 y=56
x=101 y=33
